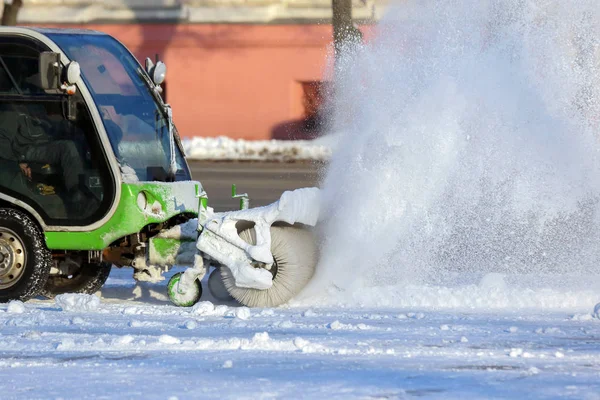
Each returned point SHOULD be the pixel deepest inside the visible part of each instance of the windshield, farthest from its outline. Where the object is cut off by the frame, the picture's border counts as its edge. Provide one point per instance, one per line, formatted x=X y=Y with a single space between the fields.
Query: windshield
x=135 y=123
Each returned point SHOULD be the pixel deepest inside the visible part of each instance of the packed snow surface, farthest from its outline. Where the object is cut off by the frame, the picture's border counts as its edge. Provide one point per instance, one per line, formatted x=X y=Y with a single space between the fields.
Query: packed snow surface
x=133 y=344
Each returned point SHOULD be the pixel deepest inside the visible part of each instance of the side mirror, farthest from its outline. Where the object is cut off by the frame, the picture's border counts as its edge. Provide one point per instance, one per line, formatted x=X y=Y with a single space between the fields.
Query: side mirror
x=50 y=70
x=73 y=72
x=157 y=71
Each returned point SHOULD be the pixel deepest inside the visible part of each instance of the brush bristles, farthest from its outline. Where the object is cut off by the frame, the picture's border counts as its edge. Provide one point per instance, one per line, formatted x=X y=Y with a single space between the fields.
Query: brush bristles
x=296 y=253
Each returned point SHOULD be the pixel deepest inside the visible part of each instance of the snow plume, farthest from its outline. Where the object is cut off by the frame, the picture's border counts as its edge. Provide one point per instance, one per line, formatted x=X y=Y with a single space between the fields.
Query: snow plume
x=471 y=147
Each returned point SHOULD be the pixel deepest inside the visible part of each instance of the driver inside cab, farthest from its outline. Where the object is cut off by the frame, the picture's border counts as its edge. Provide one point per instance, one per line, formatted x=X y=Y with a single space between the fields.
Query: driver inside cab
x=33 y=137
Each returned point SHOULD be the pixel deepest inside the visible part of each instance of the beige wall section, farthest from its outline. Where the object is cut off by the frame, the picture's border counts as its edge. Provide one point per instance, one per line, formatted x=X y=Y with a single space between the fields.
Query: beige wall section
x=192 y=11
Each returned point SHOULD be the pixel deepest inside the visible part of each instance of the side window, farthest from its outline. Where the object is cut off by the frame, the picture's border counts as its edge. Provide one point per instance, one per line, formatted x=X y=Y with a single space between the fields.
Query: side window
x=6 y=85
x=20 y=68
x=51 y=162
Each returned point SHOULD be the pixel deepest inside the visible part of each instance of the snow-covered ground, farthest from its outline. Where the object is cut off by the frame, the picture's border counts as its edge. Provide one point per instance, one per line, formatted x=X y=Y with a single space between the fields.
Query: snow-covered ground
x=225 y=149
x=132 y=344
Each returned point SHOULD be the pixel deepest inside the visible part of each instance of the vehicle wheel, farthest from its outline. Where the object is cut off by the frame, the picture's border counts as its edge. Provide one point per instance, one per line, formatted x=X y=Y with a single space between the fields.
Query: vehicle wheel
x=295 y=253
x=183 y=295
x=88 y=279
x=25 y=261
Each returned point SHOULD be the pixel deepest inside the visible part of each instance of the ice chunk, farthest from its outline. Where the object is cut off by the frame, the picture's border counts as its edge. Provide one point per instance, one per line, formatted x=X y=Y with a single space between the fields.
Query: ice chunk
x=203 y=308
x=16 y=307
x=77 y=302
x=190 y=324
x=168 y=339
x=261 y=337
x=242 y=313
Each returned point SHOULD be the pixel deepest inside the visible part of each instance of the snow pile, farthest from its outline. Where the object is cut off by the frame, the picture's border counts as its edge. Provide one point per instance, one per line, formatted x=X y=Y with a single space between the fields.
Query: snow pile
x=168 y=339
x=15 y=307
x=469 y=147
x=77 y=302
x=224 y=148
x=208 y=309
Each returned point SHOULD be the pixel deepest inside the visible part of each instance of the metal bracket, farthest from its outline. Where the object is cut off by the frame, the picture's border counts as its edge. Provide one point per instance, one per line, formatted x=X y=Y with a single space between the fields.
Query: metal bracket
x=202 y=206
x=244 y=199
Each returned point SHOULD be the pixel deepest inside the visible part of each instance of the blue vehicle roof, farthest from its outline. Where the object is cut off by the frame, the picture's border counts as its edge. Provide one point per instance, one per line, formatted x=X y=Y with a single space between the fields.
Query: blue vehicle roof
x=70 y=31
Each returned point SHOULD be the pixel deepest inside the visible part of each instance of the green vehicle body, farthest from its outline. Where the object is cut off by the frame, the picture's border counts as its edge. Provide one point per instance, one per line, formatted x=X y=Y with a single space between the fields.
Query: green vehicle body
x=129 y=217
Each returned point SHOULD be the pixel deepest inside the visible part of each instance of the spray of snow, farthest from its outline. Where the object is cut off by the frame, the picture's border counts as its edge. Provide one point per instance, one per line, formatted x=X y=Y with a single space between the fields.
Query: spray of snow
x=470 y=147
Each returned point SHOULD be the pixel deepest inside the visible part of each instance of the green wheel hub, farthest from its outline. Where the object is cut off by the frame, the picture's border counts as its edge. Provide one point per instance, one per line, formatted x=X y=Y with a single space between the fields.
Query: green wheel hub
x=183 y=295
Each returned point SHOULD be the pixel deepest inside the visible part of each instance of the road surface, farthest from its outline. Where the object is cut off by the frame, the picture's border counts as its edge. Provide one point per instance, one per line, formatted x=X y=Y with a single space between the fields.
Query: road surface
x=263 y=181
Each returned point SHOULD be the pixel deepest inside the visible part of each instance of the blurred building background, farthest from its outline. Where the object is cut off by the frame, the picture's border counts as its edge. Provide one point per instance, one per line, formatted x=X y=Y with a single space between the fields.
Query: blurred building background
x=249 y=69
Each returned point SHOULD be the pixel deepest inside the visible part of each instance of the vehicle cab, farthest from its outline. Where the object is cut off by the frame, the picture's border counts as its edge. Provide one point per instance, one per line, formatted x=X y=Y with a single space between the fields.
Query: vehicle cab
x=88 y=153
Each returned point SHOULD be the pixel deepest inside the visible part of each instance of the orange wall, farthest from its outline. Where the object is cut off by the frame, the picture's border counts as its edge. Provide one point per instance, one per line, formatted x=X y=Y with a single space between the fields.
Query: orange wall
x=230 y=79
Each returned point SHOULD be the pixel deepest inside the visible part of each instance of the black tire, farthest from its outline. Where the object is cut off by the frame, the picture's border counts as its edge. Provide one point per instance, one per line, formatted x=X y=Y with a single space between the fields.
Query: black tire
x=295 y=252
x=87 y=280
x=31 y=276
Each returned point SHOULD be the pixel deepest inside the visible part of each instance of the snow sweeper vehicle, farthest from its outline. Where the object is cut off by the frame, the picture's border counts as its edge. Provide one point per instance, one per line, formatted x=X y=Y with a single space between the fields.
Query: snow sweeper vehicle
x=93 y=175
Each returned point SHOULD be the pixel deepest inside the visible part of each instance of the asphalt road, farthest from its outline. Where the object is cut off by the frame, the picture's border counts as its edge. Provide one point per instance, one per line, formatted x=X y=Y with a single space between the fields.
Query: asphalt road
x=263 y=181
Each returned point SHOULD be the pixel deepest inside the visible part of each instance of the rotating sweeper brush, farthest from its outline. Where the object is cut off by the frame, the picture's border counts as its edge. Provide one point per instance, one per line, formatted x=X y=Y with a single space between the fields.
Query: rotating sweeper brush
x=294 y=252
x=294 y=259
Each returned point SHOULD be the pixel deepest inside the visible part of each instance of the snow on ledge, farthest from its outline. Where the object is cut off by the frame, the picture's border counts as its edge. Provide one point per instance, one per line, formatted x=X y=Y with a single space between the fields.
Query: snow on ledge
x=225 y=148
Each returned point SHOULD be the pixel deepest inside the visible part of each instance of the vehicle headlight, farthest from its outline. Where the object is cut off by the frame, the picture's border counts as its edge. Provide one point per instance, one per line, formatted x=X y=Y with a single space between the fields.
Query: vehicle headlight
x=142 y=201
